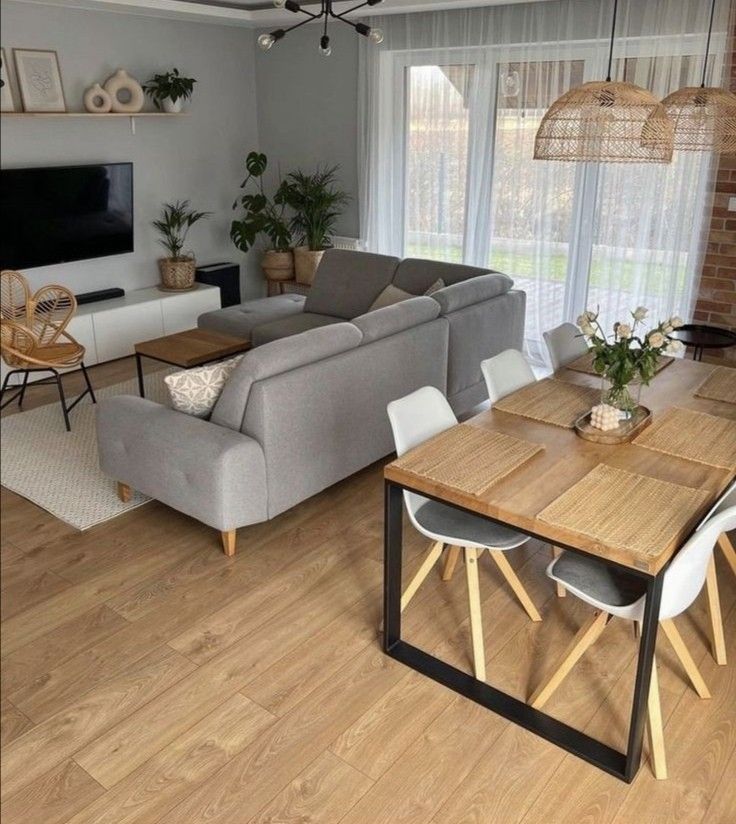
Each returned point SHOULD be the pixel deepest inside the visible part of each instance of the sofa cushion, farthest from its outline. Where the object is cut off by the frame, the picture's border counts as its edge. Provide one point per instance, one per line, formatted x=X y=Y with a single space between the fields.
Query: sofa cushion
x=389 y=296
x=476 y=290
x=346 y=282
x=291 y=325
x=242 y=319
x=276 y=357
x=195 y=391
x=417 y=276
x=380 y=323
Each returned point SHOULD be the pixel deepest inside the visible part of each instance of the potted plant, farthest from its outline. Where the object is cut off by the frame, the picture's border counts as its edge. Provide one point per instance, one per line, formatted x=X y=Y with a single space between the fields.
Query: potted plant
x=626 y=360
x=177 y=270
x=316 y=204
x=265 y=217
x=169 y=90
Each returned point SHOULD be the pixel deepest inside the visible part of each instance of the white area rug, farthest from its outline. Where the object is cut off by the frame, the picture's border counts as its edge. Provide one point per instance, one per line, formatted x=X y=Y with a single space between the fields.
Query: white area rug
x=58 y=470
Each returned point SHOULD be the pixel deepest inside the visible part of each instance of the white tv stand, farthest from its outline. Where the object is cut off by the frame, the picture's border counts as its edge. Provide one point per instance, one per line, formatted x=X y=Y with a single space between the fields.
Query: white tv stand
x=109 y=329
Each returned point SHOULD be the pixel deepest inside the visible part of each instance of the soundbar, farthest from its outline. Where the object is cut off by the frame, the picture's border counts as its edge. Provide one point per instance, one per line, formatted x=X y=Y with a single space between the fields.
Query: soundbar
x=100 y=294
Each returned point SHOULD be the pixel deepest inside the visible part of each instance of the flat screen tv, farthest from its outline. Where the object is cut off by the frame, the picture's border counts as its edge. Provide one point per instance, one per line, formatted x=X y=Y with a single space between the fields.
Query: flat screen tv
x=64 y=213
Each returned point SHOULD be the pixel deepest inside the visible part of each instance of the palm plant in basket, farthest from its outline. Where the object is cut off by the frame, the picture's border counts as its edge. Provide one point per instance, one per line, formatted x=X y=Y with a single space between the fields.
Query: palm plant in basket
x=628 y=359
x=177 y=270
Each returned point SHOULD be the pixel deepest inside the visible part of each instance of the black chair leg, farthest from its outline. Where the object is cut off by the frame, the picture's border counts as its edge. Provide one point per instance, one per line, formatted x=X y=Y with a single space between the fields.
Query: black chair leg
x=62 y=399
x=23 y=391
x=89 y=383
x=5 y=387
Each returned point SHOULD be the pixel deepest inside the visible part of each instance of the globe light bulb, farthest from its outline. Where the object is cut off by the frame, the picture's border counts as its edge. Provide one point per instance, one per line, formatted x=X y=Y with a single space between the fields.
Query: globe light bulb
x=325 y=52
x=376 y=36
x=265 y=41
x=324 y=46
x=279 y=3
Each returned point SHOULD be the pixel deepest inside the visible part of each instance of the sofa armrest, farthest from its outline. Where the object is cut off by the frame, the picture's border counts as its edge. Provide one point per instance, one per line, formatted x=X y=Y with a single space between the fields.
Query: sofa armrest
x=212 y=473
x=474 y=290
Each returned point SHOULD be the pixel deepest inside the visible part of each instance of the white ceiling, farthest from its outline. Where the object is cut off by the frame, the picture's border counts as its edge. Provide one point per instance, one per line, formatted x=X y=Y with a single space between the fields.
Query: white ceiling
x=255 y=13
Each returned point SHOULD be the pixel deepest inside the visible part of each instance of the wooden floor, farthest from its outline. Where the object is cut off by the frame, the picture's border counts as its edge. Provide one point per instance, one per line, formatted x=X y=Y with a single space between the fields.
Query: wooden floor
x=148 y=678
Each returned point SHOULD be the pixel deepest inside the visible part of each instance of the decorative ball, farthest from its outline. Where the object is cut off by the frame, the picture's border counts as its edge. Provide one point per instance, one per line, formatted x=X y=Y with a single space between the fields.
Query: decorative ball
x=604 y=417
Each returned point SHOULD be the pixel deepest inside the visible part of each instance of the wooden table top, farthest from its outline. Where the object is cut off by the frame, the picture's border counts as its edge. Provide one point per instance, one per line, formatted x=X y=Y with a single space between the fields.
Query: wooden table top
x=519 y=497
x=192 y=347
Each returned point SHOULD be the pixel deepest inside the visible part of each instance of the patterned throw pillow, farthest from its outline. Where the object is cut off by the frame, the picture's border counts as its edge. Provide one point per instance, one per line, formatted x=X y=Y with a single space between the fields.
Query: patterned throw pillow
x=195 y=391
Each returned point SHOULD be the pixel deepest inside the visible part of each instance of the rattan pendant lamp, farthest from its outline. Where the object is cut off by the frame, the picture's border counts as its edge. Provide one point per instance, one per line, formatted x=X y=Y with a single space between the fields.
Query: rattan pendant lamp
x=704 y=117
x=606 y=122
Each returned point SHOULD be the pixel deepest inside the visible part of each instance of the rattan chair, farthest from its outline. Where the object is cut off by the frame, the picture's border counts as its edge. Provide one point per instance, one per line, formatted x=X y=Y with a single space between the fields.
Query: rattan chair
x=33 y=338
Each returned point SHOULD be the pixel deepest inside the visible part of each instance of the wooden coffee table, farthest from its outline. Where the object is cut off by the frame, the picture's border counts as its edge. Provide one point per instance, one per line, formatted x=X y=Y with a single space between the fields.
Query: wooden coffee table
x=194 y=347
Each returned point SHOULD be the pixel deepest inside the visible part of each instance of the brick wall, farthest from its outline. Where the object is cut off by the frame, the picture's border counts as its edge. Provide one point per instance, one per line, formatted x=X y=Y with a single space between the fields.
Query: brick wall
x=716 y=302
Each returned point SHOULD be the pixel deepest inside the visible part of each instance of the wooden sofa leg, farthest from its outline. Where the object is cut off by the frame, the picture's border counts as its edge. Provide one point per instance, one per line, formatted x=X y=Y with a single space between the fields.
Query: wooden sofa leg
x=125 y=493
x=228 y=541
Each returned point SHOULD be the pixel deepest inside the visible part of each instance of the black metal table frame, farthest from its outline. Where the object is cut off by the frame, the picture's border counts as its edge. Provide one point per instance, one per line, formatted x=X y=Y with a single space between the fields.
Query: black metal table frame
x=622 y=765
x=139 y=366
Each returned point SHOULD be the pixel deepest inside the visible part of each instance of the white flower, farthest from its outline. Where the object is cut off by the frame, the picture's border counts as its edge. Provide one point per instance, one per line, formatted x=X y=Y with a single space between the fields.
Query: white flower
x=667 y=328
x=674 y=347
x=676 y=321
x=640 y=313
x=656 y=339
x=587 y=329
x=623 y=330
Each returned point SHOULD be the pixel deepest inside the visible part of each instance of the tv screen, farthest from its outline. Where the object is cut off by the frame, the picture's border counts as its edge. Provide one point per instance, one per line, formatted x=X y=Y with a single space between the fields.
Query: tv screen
x=64 y=213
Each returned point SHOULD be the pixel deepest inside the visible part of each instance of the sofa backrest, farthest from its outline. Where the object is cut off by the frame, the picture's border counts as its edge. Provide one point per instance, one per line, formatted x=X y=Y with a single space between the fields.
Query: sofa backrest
x=346 y=282
x=380 y=323
x=279 y=356
x=416 y=275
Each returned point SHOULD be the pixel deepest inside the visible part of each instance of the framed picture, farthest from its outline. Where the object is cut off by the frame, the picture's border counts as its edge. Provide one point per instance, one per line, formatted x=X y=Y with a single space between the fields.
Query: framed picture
x=6 y=95
x=39 y=80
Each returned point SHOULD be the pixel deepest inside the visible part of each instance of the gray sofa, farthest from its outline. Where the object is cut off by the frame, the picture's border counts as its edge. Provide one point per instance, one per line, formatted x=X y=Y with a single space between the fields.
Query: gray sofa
x=307 y=406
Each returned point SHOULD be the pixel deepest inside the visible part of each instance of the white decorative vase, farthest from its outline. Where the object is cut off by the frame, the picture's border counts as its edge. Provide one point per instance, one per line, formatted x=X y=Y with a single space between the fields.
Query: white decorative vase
x=172 y=106
x=97 y=100
x=119 y=82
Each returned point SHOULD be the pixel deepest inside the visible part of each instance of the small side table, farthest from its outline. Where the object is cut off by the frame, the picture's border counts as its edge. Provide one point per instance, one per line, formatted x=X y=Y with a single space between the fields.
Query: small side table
x=188 y=349
x=701 y=337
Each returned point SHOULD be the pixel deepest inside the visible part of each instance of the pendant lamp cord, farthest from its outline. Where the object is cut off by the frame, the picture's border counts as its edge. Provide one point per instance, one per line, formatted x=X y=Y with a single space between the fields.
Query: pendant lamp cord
x=613 y=32
x=707 y=42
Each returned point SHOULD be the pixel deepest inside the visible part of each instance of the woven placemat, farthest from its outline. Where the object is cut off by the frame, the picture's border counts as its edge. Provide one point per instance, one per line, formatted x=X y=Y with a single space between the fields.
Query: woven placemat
x=625 y=510
x=585 y=364
x=696 y=436
x=720 y=385
x=551 y=401
x=468 y=458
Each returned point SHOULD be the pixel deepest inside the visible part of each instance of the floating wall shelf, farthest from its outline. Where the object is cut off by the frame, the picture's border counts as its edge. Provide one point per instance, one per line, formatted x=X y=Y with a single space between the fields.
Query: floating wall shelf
x=94 y=115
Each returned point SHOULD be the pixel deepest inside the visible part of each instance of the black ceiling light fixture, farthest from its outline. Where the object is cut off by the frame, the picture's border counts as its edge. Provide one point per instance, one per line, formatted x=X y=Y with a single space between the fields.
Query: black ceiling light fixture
x=265 y=41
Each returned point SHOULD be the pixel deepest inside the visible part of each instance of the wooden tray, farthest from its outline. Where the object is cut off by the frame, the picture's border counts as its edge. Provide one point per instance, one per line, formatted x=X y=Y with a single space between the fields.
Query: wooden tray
x=626 y=431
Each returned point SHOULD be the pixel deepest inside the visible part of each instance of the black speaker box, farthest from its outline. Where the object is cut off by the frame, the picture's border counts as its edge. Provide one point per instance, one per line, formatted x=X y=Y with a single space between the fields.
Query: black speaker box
x=224 y=275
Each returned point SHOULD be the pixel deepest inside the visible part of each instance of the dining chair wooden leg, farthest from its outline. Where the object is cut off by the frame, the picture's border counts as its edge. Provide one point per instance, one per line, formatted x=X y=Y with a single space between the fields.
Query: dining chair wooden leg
x=125 y=493
x=515 y=584
x=476 y=620
x=453 y=553
x=654 y=727
x=561 y=591
x=228 y=541
x=424 y=570
x=714 y=609
x=728 y=549
x=585 y=638
x=682 y=652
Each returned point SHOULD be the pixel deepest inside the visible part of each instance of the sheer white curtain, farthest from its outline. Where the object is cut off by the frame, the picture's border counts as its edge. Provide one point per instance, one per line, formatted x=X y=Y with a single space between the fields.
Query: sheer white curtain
x=449 y=106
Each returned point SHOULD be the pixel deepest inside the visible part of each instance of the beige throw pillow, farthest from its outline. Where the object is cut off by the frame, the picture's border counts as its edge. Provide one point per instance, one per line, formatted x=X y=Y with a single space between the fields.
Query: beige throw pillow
x=195 y=391
x=435 y=287
x=390 y=295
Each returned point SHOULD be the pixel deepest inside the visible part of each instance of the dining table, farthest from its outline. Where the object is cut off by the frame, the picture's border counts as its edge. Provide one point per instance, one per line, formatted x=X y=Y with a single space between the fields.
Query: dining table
x=528 y=491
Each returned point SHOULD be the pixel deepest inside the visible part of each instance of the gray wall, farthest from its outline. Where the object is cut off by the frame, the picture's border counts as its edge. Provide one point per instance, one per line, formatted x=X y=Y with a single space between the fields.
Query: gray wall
x=198 y=157
x=308 y=107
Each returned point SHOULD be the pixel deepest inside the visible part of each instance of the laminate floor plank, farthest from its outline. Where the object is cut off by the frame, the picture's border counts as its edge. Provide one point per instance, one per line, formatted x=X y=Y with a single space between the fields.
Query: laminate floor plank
x=13 y=722
x=30 y=591
x=56 y=739
x=53 y=797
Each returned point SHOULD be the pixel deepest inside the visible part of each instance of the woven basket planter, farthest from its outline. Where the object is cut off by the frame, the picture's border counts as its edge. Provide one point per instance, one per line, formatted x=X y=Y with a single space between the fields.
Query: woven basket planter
x=278 y=266
x=305 y=264
x=177 y=273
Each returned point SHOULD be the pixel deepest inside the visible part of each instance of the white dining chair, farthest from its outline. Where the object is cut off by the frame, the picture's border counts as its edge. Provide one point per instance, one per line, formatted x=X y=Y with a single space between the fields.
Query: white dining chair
x=505 y=373
x=618 y=593
x=414 y=419
x=728 y=499
x=565 y=343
